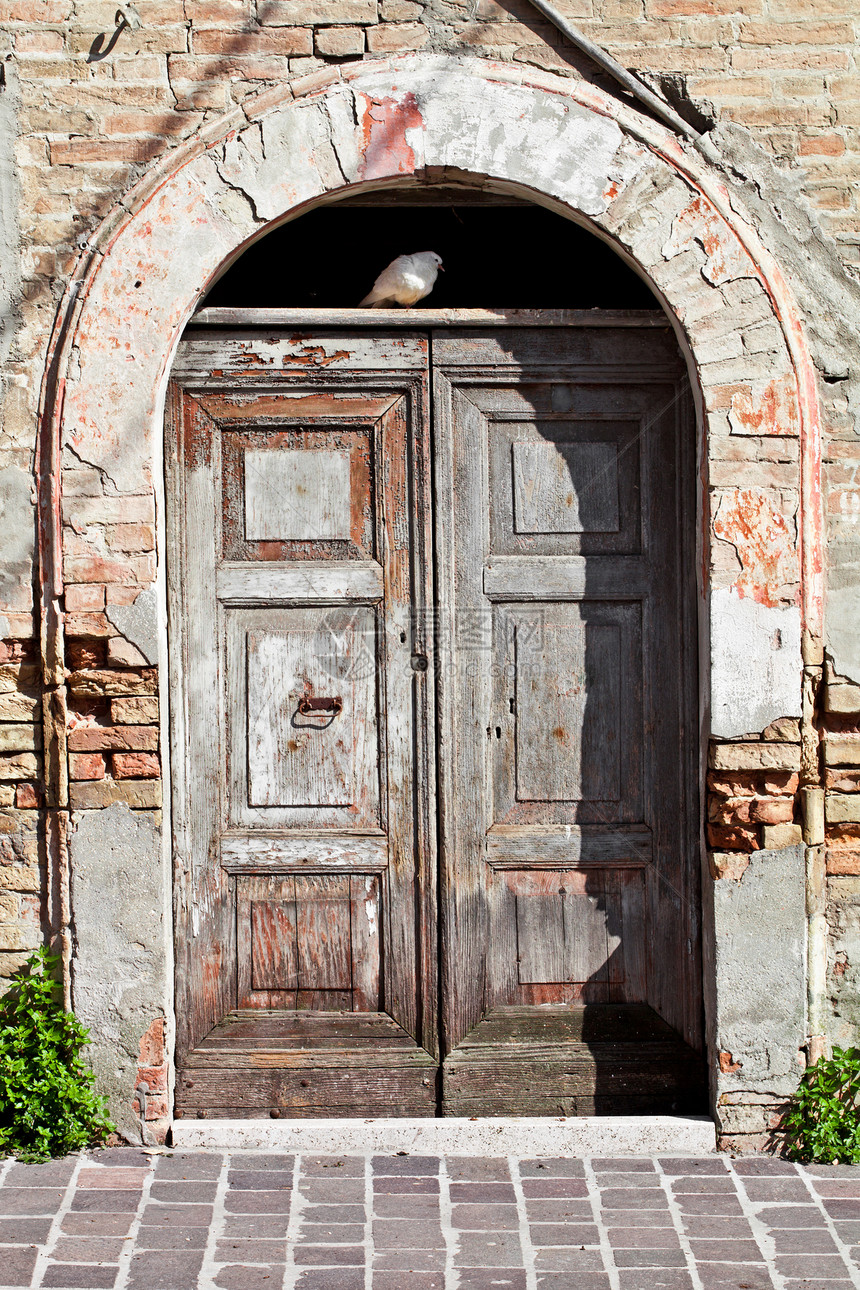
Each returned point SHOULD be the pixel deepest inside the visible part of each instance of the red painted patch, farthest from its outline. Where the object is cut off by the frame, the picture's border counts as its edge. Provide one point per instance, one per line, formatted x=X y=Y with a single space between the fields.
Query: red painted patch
x=700 y=222
x=761 y=536
x=383 y=144
x=771 y=409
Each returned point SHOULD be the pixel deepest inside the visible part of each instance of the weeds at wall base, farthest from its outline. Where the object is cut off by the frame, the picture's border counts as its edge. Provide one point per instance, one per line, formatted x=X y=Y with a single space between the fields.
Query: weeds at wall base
x=822 y=1125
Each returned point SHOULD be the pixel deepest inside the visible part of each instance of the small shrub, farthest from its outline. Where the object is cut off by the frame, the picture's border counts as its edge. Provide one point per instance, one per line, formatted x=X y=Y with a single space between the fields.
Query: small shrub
x=47 y=1103
x=823 y=1120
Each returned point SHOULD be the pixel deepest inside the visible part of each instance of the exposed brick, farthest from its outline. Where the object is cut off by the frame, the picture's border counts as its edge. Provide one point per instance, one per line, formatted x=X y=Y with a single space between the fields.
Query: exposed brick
x=134 y=711
x=842 y=862
x=89 y=765
x=318 y=13
x=725 y=838
x=24 y=765
x=339 y=42
x=281 y=40
x=97 y=794
x=131 y=537
x=152 y=1044
x=24 y=738
x=828 y=145
x=114 y=684
x=86 y=597
x=136 y=765
x=754 y=756
x=114 y=738
x=842 y=808
x=392 y=36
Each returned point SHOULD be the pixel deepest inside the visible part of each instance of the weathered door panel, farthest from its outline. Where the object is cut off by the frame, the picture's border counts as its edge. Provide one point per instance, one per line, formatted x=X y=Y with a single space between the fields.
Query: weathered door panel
x=303 y=821
x=569 y=869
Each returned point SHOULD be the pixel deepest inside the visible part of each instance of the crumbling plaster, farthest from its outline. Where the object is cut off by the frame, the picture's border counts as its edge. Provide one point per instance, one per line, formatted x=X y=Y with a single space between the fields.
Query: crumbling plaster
x=587 y=155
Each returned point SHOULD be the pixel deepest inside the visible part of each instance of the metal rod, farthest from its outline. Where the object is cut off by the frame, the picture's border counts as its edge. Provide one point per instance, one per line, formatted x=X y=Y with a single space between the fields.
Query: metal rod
x=630 y=83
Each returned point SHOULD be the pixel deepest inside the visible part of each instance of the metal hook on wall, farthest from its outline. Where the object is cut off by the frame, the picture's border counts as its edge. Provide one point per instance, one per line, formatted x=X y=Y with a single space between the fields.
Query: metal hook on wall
x=126 y=16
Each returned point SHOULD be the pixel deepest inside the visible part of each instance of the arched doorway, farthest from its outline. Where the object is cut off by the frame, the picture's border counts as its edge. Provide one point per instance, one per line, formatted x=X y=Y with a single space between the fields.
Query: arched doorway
x=419 y=119
x=438 y=567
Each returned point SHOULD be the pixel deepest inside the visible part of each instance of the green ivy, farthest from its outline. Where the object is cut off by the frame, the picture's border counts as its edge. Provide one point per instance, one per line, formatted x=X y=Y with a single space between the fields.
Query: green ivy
x=47 y=1103
x=823 y=1121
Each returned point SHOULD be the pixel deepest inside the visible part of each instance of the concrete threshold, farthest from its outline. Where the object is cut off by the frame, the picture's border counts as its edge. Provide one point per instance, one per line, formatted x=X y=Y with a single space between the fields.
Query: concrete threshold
x=604 y=1135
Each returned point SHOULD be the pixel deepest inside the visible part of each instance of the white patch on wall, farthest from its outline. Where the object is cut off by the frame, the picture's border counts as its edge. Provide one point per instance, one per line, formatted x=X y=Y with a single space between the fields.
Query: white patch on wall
x=297 y=494
x=756 y=664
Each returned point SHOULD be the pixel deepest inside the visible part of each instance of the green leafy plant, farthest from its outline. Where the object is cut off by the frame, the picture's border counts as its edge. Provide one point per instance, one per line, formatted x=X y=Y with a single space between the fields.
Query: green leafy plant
x=47 y=1103
x=823 y=1121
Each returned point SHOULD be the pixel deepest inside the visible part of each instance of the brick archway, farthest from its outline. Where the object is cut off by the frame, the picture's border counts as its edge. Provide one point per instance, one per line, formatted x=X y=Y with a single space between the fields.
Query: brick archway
x=562 y=143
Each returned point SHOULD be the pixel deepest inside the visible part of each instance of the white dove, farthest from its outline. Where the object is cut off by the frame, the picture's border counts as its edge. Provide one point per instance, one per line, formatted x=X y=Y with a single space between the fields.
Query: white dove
x=407 y=280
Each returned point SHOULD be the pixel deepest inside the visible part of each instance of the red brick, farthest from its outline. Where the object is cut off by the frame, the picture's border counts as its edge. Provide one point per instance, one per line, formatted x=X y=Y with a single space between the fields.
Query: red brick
x=392 y=36
x=190 y=67
x=114 y=739
x=80 y=151
x=723 y=838
x=280 y=40
x=842 y=862
x=84 y=597
x=739 y=783
x=825 y=145
x=95 y=626
x=140 y=794
x=136 y=765
x=86 y=766
x=339 y=42
x=152 y=1044
x=131 y=537
x=35 y=11
x=84 y=654
x=28 y=797
x=39 y=42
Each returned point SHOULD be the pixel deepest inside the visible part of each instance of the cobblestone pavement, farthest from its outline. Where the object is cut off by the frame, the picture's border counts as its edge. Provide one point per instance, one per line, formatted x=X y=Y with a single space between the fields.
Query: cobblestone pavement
x=127 y=1220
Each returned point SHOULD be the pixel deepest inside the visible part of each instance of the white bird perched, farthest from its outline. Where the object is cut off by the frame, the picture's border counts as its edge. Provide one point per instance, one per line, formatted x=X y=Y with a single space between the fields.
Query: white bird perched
x=407 y=280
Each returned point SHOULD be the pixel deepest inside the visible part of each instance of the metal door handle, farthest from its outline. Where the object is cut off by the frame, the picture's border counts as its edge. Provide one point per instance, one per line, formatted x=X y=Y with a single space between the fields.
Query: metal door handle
x=307 y=705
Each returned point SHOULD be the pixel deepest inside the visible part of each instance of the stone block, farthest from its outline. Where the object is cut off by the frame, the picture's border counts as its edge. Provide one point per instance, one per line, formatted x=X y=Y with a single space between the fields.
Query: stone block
x=842 y=808
x=19 y=936
x=842 y=698
x=114 y=738
x=121 y=653
x=842 y=750
x=339 y=42
x=95 y=795
x=755 y=756
x=134 y=712
x=318 y=13
x=19 y=707
x=20 y=738
x=775 y=837
x=728 y=864
x=15 y=766
x=106 y=684
x=755 y=928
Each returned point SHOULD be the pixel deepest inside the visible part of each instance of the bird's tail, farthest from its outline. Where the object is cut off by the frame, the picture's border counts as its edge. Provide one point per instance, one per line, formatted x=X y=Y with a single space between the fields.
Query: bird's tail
x=368 y=302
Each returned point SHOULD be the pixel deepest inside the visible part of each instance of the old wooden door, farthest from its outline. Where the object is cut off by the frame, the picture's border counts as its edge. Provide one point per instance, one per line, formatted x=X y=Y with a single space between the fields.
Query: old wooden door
x=554 y=647
x=567 y=674
x=305 y=923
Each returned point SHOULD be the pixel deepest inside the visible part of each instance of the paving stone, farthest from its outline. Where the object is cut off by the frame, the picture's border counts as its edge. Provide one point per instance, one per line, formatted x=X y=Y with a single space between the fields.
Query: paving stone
x=108 y=1202
x=408 y=1280
x=164 y=1269
x=265 y=1226
x=552 y=1169
x=762 y=1166
x=722 y=1251
x=243 y=1160
x=562 y=1211
x=403 y=1233
x=125 y=1157
x=488 y=1249
x=715 y=1205
x=259 y=1180
x=649 y=1258
x=336 y=1213
x=329 y=1255
x=53 y=1173
x=534 y=1187
x=331 y=1167
x=24 y=1231
x=112 y=1179
x=818 y=1284
x=806 y=1240
x=187 y=1165
x=479 y=1169
x=176 y=1215
x=172 y=1238
x=85 y=1276
x=781 y=1189
x=478 y=1192
x=258 y=1202
x=707 y=1183
x=792 y=1216
x=833 y=1171
x=848 y=1231
x=331 y=1279
x=30 y=1200
x=837 y=1188
x=404 y=1166
x=97 y=1224
x=623 y=1164
x=692 y=1166
x=561 y=1259
x=652 y=1218
x=634 y=1198
x=654 y=1279
x=724 y=1229
x=811 y=1266
x=405 y=1206
x=250 y=1251
x=643 y=1238
x=331 y=1233
x=837 y=1209
x=18 y=1262
x=641 y=1182
x=561 y=1281
x=564 y=1234
x=421 y=1185
x=406 y=1260
x=478 y=1217
x=730 y=1276
x=331 y=1191
x=183 y=1193
x=242 y=1277
x=492 y=1279
x=87 y=1249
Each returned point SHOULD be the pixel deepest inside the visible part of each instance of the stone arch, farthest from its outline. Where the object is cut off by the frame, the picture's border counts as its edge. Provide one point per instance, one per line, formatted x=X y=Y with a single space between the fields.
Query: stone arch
x=560 y=142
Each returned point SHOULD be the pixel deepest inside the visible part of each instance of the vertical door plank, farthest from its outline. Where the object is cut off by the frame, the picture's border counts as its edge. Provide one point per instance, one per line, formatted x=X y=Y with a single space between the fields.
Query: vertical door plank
x=274 y=950
x=365 y=914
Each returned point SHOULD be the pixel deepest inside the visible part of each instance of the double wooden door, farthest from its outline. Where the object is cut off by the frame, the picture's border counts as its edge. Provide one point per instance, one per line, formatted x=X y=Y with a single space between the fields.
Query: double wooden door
x=432 y=720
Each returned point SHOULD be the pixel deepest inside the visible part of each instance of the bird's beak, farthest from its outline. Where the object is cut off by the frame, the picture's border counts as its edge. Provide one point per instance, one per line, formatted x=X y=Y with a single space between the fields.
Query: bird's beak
x=441 y=268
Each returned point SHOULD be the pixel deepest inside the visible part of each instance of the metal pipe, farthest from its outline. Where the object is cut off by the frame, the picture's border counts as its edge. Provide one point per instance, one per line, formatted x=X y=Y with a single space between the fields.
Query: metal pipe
x=630 y=82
